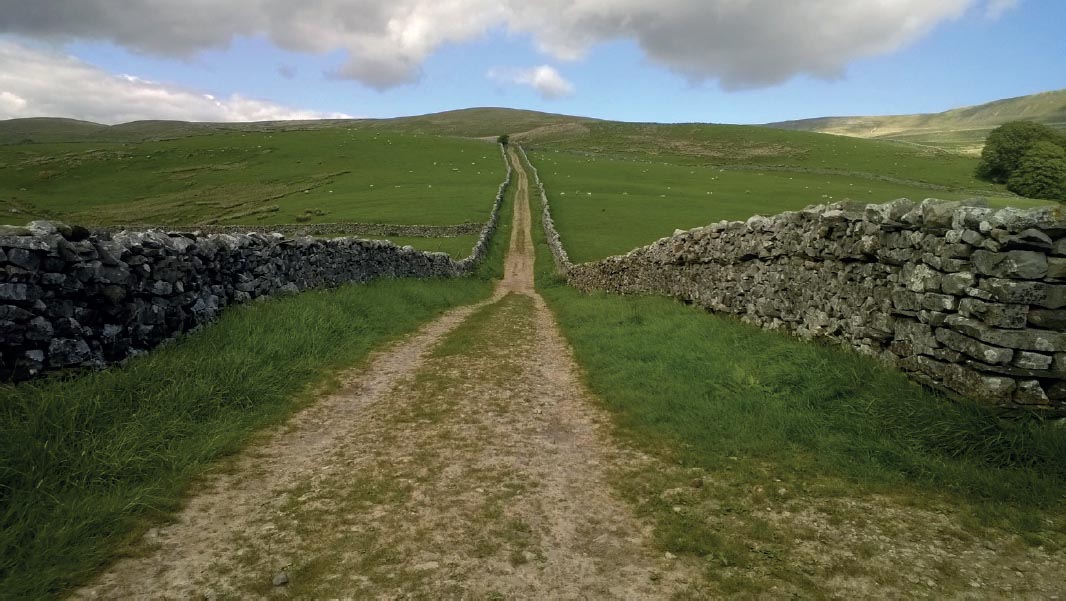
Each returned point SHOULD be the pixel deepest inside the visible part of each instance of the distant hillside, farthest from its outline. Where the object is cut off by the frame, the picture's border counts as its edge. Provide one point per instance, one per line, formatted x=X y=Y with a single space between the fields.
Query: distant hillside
x=961 y=130
x=479 y=122
x=175 y=173
x=44 y=130
x=475 y=122
x=696 y=144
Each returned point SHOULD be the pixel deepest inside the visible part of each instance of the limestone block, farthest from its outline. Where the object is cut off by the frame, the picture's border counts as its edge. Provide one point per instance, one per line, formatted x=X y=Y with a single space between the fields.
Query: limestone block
x=1032 y=293
x=957 y=283
x=1030 y=392
x=1056 y=268
x=978 y=350
x=1048 y=319
x=64 y=352
x=1028 y=339
x=940 y=302
x=918 y=334
x=1059 y=247
x=1031 y=360
x=1030 y=239
x=1017 y=264
x=921 y=278
x=995 y=314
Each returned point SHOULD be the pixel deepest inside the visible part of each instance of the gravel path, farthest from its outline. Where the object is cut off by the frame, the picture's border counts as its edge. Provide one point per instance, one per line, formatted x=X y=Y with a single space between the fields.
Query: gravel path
x=466 y=461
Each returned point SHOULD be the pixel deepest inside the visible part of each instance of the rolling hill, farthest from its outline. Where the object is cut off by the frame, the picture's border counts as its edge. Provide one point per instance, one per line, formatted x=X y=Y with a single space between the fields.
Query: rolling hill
x=474 y=122
x=420 y=170
x=960 y=130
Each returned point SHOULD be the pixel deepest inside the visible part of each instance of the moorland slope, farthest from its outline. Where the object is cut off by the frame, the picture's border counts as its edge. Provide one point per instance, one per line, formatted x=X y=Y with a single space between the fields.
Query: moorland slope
x=962 y=129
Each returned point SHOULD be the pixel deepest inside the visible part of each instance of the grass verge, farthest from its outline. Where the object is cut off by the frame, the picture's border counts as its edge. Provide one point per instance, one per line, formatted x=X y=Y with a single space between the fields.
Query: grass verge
x=762 y=419
x=88 y=461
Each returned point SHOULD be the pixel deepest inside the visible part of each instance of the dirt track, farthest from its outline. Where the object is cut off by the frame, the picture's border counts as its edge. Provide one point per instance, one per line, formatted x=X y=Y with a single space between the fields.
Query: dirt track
x=466 y=461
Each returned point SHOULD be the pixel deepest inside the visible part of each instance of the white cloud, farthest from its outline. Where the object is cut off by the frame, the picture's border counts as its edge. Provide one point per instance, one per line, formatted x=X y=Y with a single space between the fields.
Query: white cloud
x=11 y=103
x=37 y=83
x=544 y=79
x=741 y=43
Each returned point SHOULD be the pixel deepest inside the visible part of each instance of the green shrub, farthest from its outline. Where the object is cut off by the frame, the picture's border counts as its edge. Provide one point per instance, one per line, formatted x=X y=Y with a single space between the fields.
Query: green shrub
x=1041 y=173
x=1008 y=144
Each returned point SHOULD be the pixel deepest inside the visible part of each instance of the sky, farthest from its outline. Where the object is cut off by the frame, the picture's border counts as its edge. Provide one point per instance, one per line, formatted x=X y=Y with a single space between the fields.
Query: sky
x=716 y=61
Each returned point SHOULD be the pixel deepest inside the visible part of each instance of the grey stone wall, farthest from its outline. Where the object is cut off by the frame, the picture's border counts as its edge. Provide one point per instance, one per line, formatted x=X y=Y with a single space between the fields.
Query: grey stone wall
x=555 y=242
x=965 y=298
x=73 y=298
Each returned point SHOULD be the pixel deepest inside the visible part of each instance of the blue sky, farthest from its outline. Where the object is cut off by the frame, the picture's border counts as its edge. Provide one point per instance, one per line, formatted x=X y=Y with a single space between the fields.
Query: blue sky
x=676 y=69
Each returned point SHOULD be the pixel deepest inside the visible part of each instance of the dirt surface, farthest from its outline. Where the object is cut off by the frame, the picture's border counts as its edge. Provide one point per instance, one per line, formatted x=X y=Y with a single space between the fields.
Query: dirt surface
x=466 y=461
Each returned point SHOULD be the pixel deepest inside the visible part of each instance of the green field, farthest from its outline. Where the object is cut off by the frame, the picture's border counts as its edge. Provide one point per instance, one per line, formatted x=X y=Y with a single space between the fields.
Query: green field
x=615 y=186
x=606 y=206
x=257 y=178
x=744 y=145
x=458 y=247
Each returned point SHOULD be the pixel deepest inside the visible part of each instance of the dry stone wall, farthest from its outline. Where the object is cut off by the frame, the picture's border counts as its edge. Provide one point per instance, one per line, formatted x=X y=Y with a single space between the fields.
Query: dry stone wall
x=965 y=298
x=555 y=242
x=73 y=298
